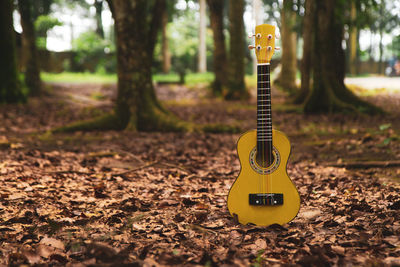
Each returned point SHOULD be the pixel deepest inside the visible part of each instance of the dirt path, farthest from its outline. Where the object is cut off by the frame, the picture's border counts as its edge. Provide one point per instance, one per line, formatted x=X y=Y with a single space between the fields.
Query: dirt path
x=160 y=198
x=392 y=84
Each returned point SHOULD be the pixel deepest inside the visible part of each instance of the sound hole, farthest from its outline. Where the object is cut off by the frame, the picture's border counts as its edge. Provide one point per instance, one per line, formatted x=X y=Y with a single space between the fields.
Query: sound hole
x=265 y=160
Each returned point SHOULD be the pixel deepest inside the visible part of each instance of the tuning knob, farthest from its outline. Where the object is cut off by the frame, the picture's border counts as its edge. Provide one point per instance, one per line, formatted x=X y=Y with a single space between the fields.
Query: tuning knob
x=251 y=35
x=277 y=48
x=269 y=36
x=258 y=47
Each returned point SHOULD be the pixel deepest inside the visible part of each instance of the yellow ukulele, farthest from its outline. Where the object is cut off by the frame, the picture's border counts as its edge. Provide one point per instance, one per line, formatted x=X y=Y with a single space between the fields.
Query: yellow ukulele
x=263 y=193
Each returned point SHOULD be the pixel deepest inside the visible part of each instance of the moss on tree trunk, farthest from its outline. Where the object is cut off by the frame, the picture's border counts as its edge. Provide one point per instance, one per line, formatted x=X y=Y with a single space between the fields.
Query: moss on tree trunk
x=137 y=108
x=328 y=92
x=10 y=89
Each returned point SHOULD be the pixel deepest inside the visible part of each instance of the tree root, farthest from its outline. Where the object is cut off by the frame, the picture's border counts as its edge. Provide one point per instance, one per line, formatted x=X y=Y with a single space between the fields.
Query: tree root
x=106 y=122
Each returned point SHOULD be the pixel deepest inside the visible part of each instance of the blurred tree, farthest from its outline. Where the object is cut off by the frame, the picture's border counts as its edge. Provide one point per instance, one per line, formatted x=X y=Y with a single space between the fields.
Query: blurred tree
x=41 y=10
x=136 y=25
x=216 y=8
x=32 y=72
x=287 y=76
x=353 y=39
x=202 y=62
x=98 y=4
x=42 y=25
x=305 y=65
x=165 y=53
x=236 y=85
x=328 y=92
x=10 y=89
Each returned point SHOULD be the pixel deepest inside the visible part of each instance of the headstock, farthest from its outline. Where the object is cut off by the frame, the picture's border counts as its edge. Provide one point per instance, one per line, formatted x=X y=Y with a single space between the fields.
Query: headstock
x=264 y=43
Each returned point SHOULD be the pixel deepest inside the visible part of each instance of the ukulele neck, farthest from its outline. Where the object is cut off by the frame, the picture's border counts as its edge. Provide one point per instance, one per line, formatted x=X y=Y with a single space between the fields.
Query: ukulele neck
x=264 y=119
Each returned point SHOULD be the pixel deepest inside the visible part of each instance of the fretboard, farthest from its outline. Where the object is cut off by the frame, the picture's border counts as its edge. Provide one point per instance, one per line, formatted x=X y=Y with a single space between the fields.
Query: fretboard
x=264 y=120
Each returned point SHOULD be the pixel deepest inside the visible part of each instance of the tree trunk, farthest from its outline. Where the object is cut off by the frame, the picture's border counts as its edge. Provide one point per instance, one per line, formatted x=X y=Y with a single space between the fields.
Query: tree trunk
x=217 y=25
x=202 y=63
x=287 y=76
x=98 y=4
x=353 y=40
x=136 y=26
x=236 y=84
x=258 y=18
x=381 y=25
x=305 y=66
x=32 y=72
x=166 y=55
x=10 y=89
x=329 y=94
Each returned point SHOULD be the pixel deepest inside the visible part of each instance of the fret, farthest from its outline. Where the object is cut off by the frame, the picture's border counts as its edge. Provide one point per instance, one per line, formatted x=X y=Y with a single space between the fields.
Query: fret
x=264 y=121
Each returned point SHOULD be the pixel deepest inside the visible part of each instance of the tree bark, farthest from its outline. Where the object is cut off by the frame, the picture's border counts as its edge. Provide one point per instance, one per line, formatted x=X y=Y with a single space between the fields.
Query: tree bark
x=10 y=89
x=236 y=84
x=98 y=4
x=32 y=72
x=329 y=94
x=287 y=77
x=353 y=40
x=136 y=25
x=305 y=67
x=166 y=55
x=217 y=25
x=202 y=62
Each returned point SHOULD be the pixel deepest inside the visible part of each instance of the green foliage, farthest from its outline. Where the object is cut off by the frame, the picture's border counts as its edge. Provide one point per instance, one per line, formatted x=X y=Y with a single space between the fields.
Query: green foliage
x=183 y=43
x=395 y=46
x=45 y=22
x=90 y=49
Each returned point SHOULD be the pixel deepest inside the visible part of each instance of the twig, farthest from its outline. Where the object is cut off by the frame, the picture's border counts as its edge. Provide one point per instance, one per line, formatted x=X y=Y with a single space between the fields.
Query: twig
x=136 y=169
x=69 y=172
x=367 y=164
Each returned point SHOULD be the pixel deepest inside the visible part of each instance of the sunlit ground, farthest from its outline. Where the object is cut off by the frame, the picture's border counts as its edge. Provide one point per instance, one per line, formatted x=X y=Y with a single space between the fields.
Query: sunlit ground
x=370 y=85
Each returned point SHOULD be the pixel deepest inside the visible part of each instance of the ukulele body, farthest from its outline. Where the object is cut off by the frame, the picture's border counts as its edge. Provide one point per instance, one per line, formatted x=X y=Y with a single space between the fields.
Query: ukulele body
x=263 y=182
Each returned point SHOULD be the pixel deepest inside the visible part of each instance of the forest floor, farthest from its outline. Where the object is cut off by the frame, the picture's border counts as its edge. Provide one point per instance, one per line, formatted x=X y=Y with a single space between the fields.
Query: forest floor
x=113 y=198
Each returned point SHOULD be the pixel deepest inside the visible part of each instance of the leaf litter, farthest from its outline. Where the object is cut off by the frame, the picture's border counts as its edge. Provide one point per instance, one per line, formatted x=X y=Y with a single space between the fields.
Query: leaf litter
x=160 y=198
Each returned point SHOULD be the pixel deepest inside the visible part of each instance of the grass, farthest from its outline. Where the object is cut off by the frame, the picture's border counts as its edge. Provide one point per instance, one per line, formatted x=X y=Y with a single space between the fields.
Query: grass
x=87 y=77
x=78 y=77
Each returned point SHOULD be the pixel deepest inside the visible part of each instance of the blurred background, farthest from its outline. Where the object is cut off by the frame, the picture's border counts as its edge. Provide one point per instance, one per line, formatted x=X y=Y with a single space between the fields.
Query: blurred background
x=78 y=36
x=204 y=43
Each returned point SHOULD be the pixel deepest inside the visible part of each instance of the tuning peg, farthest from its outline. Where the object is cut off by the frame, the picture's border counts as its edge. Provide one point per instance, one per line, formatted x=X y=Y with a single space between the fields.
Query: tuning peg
x=251 y=47
x=269 y=36
x=277 y=48
x=251 y=35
